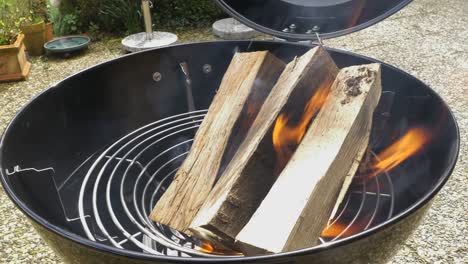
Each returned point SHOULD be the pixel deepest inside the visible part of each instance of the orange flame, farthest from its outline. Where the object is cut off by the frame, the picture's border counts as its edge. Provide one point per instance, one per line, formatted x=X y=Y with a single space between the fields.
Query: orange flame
x=408 y=145
x=209 y=248
x=338 y=229
x=287 y=136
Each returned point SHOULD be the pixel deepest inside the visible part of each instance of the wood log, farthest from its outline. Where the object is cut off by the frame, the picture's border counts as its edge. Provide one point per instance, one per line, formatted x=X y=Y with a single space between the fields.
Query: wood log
x=299 y=204
x=252 y=171
x=362 y=152
x=245 y=85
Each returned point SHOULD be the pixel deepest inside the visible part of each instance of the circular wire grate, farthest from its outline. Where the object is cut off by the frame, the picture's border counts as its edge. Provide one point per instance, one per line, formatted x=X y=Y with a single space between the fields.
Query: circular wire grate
x=127 y=178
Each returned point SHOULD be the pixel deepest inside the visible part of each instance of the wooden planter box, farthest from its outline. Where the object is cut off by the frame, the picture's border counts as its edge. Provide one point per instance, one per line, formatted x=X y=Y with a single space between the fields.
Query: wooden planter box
x=14 y=65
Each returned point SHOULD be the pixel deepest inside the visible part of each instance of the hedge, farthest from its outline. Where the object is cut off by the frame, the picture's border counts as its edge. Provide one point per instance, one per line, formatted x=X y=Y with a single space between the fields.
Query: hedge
x=125 y=15
x=182 y=13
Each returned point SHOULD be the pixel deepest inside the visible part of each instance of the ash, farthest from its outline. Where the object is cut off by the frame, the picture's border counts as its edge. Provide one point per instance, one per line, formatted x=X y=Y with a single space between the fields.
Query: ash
x=352 y=87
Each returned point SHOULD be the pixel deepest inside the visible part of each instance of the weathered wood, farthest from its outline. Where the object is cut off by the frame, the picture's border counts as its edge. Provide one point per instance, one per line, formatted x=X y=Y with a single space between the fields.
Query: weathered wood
x=299 y=204
x=253 y=169
x=245 y=85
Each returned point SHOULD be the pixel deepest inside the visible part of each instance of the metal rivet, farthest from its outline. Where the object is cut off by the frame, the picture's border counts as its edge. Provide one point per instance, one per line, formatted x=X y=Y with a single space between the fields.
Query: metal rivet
x=292 y=28
x=207 y=68
x=157 y=76
x=316 y=28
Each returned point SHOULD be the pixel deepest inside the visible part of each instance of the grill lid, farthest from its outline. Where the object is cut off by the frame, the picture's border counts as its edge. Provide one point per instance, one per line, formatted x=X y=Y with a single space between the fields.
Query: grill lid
x=308 y=19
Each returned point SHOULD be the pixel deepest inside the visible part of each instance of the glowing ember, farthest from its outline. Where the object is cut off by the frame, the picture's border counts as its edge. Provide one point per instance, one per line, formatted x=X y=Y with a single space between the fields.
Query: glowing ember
x=408 y=145
x=207 y=247
x=341 y=230
x=287 y=136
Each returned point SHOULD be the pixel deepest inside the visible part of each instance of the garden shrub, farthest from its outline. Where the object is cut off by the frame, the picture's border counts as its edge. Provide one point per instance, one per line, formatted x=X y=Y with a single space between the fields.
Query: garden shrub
x=39 y=9
x=186 y=13
x=66 y=21
x=125 y=15
x=120 y=15
x=89 y=9
x=12 y=14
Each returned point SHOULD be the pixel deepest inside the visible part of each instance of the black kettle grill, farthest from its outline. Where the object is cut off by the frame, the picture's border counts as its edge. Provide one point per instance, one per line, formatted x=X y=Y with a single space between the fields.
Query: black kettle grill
x=87 y=159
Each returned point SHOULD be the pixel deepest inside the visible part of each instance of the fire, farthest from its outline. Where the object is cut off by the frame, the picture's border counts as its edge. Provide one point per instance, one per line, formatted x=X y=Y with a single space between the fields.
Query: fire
x=408 y=145
x=341 y=230
x=287 y=136
x=207 y=247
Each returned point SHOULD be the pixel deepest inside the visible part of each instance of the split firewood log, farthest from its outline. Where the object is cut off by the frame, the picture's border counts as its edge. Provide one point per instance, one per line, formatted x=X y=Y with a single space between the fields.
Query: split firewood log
x=245 y=85
x=298 y=206
x=255 y=167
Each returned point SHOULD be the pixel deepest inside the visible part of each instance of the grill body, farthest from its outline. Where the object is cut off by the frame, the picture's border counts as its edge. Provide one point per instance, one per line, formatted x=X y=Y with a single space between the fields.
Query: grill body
x=375 y=248
x=57 y=132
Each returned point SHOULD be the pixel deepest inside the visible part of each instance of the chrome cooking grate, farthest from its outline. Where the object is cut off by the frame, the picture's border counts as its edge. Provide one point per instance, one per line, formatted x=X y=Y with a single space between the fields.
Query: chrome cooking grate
x=121 y=184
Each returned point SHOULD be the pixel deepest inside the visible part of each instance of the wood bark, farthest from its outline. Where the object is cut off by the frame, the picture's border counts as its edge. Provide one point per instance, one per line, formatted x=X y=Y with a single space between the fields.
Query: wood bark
x=251 y=173
x=245 y=85
x=298 y=206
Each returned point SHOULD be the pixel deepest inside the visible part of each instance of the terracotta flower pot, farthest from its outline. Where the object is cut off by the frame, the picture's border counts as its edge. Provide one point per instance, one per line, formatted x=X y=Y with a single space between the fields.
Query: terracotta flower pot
x=49 y=31
x=14 y=65
x=35 y=37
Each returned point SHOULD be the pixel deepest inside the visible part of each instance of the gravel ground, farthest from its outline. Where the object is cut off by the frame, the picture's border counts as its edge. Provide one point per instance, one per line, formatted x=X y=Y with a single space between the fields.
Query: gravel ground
x=428 y=39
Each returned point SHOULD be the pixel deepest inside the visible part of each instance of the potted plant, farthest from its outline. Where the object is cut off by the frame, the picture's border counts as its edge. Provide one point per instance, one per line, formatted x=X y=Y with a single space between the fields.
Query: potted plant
x=34 y=28
x=14 y=64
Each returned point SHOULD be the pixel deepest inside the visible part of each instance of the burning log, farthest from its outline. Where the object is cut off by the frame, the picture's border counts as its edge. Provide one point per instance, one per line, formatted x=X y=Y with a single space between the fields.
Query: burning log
x=253 y=170
x=247 y=82
x=362 y=157
x=300 y=202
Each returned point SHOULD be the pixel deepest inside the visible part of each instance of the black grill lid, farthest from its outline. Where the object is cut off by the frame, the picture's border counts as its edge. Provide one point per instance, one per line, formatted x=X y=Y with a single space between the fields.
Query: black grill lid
x=302 y=19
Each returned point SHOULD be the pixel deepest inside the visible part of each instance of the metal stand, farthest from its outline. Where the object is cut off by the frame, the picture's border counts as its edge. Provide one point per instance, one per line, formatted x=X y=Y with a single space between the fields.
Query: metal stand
x=148 y=39
x=317 y=41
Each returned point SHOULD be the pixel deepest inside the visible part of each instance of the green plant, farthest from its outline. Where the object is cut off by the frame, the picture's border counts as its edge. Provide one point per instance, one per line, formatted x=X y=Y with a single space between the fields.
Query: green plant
x=69 y=24
x=89 y=10
x=185 y=13
x=65 y=24
x=122 y=14
x=125 y=15
x=53 y=13
x=12 y=15
x=94 y=31
x=32 y=19
x=39 y=9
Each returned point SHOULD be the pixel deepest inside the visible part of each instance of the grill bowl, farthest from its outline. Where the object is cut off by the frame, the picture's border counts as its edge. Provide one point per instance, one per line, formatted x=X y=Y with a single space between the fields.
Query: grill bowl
x=56 y=134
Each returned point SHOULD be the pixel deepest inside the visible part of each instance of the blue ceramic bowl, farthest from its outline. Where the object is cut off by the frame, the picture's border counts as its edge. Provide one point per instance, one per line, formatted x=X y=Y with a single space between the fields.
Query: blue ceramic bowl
x=67 y=44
